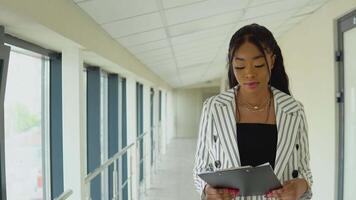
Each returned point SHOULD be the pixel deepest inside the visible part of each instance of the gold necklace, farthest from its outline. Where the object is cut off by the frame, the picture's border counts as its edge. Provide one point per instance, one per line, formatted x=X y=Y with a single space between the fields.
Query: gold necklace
x=256 y=108
x=238 y=117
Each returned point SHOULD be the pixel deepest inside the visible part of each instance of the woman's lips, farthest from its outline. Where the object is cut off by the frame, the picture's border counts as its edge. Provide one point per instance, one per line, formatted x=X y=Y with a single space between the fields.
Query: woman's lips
x=251 y=85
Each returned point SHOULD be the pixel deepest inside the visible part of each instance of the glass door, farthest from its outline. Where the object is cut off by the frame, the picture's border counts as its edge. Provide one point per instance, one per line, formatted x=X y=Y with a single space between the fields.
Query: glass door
x=350 y=113
x=347 y=109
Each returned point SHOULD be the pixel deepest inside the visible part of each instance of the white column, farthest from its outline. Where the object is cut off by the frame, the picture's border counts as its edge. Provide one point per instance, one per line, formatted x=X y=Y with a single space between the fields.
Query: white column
x=170 y=116
x=163 y=123
x=146 y=128
x=73 y=122
x=131 y=135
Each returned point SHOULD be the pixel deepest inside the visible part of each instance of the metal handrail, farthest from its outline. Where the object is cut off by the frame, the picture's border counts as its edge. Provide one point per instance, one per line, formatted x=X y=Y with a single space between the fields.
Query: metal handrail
x=89 y=177
x=106 y=164
x=64 y=195
x=141 y=136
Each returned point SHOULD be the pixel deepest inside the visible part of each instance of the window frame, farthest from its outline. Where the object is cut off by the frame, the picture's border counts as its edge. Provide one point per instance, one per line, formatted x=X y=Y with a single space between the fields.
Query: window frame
x=52 y=114
x=4 y=58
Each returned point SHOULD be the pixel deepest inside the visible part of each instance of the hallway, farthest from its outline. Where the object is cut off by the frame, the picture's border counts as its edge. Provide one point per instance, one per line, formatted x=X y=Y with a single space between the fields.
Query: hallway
x=173 y=179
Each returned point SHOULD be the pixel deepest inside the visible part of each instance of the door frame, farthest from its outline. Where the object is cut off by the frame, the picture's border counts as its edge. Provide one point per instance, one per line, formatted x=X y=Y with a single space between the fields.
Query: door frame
x=344 y=23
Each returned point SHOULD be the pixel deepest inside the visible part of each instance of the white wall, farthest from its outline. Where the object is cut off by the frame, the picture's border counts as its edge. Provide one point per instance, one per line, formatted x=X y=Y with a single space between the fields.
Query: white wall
x=308 y=51
x=170 y=116
x=188 y=104
x=74 y=153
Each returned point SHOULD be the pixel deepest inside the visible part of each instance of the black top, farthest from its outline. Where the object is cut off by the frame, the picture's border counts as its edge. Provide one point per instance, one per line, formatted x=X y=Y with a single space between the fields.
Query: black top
x=257 y=143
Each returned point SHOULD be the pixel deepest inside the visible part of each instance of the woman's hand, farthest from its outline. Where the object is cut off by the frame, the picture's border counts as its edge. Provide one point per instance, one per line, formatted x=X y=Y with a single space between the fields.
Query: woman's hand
x=291 y=190
x=220 y=193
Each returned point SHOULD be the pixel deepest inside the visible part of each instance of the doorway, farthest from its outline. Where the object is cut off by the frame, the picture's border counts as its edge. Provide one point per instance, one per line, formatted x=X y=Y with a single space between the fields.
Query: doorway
x=346 y=98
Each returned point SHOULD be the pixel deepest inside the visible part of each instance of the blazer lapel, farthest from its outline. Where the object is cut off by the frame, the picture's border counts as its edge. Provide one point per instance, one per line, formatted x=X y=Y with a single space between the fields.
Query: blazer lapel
x=225 y=123
x=287 y=125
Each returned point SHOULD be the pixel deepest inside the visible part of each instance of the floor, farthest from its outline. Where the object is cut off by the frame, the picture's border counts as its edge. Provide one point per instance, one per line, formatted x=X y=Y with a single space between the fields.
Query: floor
x=173 y=179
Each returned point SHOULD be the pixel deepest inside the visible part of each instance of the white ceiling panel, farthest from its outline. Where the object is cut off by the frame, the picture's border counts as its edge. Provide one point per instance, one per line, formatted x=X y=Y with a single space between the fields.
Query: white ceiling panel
x=215 y=70
x=211 y=42
x=192 y=48
x=254 y=3
x=274 y=7
x=165 y=70
x=143 y=37
x=210 y=8
x=196 y=71
x=318 y=2
x=202 y=35
x=186 y=60
x=177 y=3
x=193 y=60
x=155 y=53
x=185 y=63
x=158 y=62
x=198 y=67
x=104 y=11
x=186 y=42
x=161 y=62
x=149 y=46
x=174 y=80
x=205 y=23
x=271 y=22
x=208 y=55
x=295 y=20
x=134 y=25
x=308 y=9
x=283 y=29
x=164 y=67
x=157 y=59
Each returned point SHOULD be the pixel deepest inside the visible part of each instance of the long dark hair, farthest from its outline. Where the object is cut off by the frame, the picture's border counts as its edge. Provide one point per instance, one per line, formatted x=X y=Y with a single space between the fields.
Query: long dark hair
x=264 y=40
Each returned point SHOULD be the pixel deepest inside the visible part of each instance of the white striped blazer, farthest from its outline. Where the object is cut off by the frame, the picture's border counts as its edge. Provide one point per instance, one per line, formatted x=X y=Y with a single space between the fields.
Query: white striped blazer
x=217 y=141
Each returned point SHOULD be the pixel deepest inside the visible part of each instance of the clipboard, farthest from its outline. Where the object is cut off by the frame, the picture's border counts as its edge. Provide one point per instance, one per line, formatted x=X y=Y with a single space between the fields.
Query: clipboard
x=251 y=181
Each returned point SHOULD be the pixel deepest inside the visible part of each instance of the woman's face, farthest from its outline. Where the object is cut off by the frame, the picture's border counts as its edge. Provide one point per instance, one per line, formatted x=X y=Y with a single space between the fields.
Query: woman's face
x=250 y=68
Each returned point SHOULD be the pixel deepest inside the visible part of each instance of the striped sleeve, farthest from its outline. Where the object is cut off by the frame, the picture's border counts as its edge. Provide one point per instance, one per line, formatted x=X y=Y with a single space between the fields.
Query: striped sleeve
x=201 y=155
x=304 y=156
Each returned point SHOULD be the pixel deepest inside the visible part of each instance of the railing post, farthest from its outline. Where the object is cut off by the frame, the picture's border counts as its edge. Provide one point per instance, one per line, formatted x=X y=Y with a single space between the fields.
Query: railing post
x=131 y=174
x=87 y=186
x=114 y=180
x=144 y=163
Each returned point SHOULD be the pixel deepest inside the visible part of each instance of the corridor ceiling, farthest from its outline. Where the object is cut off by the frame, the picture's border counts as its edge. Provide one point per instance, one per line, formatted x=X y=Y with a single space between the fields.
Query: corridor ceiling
x=185 y=42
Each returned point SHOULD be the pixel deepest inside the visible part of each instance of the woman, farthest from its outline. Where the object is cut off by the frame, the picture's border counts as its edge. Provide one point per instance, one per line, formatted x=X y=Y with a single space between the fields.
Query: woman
x=256 y=121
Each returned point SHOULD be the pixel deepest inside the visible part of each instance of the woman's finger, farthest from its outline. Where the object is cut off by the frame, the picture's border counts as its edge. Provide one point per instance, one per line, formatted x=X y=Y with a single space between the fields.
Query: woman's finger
x=227 y=196
x=211 y=190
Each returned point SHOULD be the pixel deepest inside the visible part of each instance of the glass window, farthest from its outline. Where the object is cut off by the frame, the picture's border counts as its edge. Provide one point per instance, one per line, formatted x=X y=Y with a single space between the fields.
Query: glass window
x=26 y=124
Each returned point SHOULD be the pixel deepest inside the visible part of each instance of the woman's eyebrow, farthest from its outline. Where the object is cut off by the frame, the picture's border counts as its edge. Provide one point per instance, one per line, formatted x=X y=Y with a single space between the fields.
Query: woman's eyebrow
x=257 y=57
x=254 y=58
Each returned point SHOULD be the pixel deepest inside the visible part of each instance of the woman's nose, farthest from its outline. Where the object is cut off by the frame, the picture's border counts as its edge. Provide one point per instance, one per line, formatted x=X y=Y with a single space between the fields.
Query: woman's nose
x=250 y=73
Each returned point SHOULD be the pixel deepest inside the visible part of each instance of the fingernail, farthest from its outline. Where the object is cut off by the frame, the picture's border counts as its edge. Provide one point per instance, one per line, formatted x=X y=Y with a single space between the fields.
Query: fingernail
x=269 y=194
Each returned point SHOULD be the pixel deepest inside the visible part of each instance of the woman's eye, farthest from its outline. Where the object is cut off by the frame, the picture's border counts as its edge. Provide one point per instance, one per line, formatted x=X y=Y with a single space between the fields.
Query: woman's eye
x=239 y=67
x=259 y=66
